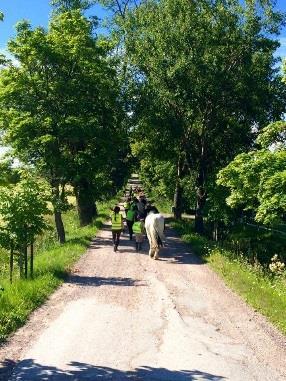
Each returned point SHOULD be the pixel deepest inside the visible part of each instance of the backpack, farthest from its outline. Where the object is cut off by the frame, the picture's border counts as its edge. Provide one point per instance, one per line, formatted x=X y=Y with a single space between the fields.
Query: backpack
x=137 y=227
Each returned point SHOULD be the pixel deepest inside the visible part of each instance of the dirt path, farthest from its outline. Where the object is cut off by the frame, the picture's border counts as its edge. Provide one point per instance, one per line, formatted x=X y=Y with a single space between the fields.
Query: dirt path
x=123 y=316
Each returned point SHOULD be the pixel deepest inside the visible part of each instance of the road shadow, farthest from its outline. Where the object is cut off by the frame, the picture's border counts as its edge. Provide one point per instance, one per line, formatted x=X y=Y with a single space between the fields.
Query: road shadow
x=103 y=242
x=100 y=242
x=105 y=227
x=29 y=370
x=94 y=281
x=6 y=368
x=177 y=252
x=173 y=252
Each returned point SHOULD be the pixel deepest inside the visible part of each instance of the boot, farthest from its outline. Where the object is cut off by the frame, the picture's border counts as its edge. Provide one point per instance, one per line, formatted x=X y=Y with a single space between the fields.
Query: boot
x=137 y=247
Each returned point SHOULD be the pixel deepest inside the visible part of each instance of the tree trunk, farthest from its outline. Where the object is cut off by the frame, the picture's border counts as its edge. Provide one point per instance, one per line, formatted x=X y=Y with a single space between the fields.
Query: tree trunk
x=178 y=195
x=60 y=226
x=11 y=265
x=215 y=231
x=178 y=202
x=25 y=252
x=201 y=194
x=199 y=220
x=21 y=264
x=57 y=200
x=32 y=260
x=86 y=206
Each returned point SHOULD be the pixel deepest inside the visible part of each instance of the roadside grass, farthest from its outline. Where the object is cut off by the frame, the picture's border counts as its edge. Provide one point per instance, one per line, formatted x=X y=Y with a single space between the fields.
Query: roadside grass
x=262 y=290
x=53 y=263
x=164 y=205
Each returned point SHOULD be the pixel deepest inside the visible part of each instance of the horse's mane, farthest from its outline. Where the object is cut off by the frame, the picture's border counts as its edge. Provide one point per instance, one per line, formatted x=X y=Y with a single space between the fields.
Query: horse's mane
x=153 y=210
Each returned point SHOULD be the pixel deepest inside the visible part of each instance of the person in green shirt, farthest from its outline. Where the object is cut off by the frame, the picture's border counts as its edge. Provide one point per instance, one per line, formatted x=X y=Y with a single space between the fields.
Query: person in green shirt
x=126 y=205
x=130 y=219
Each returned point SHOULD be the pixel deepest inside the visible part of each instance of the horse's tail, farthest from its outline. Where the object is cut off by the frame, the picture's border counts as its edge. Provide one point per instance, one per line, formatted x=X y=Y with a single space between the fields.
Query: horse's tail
x=160 y=234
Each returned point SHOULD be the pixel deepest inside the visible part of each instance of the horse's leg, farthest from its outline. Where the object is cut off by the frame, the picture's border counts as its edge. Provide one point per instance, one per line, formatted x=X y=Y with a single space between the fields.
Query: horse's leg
x=151 y=252
x=156 y=255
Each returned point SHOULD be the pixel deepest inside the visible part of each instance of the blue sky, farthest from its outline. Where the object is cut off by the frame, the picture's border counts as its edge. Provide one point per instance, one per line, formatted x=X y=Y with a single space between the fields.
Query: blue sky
x=38 y=12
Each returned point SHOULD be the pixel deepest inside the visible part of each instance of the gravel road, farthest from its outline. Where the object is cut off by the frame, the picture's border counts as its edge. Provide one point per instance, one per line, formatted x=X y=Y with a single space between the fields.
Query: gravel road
x=123 y=316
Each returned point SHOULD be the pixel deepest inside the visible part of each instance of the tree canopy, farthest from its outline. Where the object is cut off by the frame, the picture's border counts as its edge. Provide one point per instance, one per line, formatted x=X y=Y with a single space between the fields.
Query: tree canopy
x=188 y=84
x=203 y=75
x=257 y=179
x=61 y=110
x=67 y=5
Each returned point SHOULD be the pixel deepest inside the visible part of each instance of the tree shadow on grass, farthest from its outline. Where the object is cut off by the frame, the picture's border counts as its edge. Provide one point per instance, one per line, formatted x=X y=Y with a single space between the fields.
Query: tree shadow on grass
x=85 y=240
x=101 y=215
x=102 y=226
x=92 y=243
x=29 y=370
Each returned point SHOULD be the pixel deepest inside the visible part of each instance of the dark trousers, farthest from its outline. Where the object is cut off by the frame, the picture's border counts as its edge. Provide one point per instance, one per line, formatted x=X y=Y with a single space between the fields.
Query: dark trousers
x=130 y=228
x=116 y=236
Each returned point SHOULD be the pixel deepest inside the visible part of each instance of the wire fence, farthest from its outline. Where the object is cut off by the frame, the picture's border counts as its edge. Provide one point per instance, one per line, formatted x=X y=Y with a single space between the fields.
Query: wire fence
x=258 y=227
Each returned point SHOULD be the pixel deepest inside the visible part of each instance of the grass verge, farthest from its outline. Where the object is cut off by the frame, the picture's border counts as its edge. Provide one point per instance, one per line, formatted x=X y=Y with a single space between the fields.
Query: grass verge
x=52 y=264
x=265 y=292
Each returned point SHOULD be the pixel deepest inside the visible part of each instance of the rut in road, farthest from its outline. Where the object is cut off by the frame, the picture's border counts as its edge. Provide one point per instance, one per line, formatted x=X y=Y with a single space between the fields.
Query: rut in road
x=124 y=316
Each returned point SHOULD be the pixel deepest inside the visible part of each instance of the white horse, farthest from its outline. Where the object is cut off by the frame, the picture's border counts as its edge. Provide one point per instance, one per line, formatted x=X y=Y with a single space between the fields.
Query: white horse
x=154 y=225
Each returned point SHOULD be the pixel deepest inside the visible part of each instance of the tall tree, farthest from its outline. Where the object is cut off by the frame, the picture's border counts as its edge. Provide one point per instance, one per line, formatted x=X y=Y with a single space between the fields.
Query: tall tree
x=60 y=107
x=205 y=76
